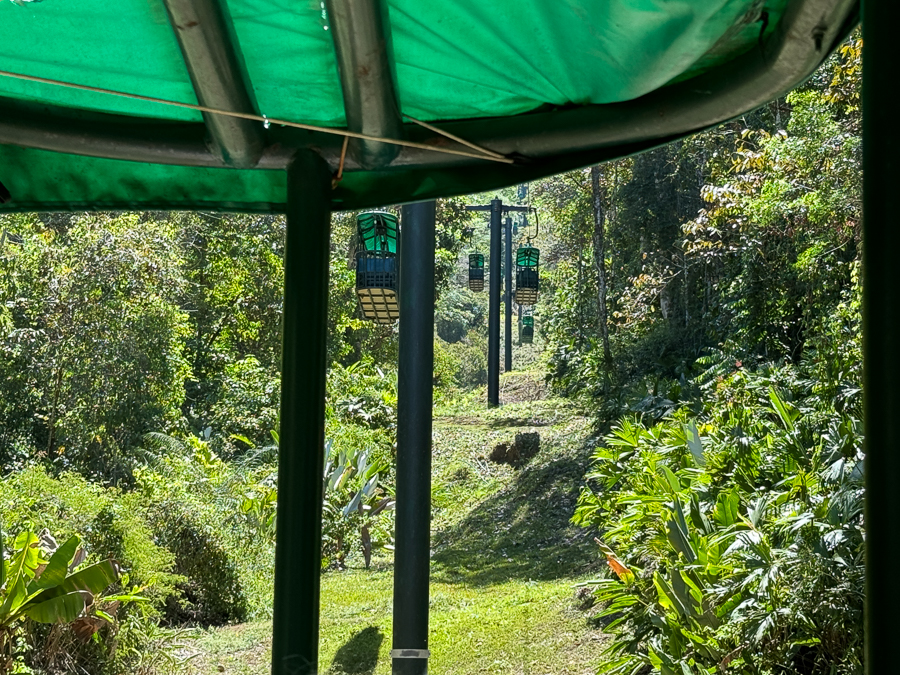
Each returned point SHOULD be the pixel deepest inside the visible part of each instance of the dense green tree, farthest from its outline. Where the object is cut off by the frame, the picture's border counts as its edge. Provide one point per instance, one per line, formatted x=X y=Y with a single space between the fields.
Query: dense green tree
x=92 y=340
x=232 y=294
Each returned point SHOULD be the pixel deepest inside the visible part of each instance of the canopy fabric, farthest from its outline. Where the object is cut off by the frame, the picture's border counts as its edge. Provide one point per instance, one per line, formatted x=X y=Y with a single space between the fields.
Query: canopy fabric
x=459 y=59
x=569 y=67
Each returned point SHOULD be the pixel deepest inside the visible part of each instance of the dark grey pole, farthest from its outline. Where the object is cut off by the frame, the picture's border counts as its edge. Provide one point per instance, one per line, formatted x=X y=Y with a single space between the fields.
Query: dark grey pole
x=298 y=549
x=881 y=333
x=507 y=361
x=412 y=554
x=494 y=307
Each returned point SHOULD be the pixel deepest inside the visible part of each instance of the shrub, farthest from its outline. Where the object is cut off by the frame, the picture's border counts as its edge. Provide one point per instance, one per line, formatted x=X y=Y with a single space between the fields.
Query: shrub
x=446 y=367
x=120 y=531
x=212 y=593
x=362 y=394
x=470 y=355
x=357 y=511
x=197 y=514
x=113 y=524
x=734 y=538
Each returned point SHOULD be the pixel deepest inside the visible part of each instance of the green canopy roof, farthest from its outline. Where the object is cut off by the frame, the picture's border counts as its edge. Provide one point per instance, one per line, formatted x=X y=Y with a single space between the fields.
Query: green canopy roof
x=543 y=86
x=527 y=256
x=377 y=231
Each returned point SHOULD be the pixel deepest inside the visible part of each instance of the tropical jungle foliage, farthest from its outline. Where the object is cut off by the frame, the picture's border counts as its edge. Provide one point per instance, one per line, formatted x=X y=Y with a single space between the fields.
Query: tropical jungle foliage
x=728 y=502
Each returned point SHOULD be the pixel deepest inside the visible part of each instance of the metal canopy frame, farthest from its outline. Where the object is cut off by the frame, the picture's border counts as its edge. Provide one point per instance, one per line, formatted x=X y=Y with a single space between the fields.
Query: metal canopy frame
x=205 y=36
x=361 y=43
x=541 y=143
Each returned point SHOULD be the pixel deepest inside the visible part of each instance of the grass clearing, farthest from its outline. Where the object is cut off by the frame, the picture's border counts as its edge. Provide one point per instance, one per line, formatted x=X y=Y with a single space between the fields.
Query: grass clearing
x=519 y=626
x=505 y=560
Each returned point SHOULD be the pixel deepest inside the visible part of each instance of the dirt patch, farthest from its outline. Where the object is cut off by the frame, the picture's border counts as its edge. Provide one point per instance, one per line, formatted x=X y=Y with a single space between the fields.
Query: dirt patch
x=522 y=388
x=517 y=453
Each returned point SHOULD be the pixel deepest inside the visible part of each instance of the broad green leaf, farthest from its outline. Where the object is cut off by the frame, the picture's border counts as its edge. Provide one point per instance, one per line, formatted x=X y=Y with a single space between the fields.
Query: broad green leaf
x=19 y=573
x=672 y=479
x=785 y=410
x=679 y=541
x=16 y=595
x=353 y=505
x=334 y=477
x=756 y=514
x=701 y=522
x=694 y=444
x=682 y=521
x=26 y=553
x=667 y=597
x=725 y=512
x=95 y=578
x=678 y=534
x=2 y=559
x=57 y=567
x=61 y=609
x=680 y=589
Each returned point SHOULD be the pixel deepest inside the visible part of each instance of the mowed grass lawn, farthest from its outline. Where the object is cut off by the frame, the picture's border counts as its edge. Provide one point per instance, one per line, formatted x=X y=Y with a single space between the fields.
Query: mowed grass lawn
x=505 y=562
x=526 y=627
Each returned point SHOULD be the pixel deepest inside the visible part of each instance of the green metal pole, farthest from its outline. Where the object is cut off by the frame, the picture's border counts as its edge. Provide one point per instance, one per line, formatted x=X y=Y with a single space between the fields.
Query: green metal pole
x=298 y=549
x=507 y=338
x=881 y=333
x=493 y=385
x=412 y=555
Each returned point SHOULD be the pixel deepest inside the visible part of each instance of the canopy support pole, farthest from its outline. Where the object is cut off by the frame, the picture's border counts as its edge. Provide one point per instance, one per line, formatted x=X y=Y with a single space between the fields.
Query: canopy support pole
x=205 y=37
x=493 y=385
x=507 y=340
x=361 y=41
x=881 y=334
x=412 y=555
x=298 y=549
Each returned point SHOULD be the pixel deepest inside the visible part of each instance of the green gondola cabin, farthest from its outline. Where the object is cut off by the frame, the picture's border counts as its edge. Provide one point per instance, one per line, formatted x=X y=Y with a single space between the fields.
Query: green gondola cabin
x=527 y=333
x=377 y=269
x=527 y=257
x=476 y=272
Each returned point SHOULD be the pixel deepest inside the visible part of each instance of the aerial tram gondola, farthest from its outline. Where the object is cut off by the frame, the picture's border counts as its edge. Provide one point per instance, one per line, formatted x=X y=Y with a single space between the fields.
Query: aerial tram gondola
x=526 y=330
x=377 y=271
x=527 y=257
x=476 y=271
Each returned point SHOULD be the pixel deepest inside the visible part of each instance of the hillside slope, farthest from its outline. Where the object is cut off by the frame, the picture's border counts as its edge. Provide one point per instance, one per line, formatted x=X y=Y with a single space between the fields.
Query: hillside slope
x=505 y=559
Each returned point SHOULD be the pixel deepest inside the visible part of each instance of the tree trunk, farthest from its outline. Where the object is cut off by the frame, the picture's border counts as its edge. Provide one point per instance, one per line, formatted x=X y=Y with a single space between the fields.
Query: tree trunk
x=597 y=199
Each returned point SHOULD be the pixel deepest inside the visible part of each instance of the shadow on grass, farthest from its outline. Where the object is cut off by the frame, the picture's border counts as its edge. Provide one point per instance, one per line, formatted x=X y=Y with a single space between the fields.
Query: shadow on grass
x=521 y=532
x=505 y=422
x=499 y=423
x=359 y=655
